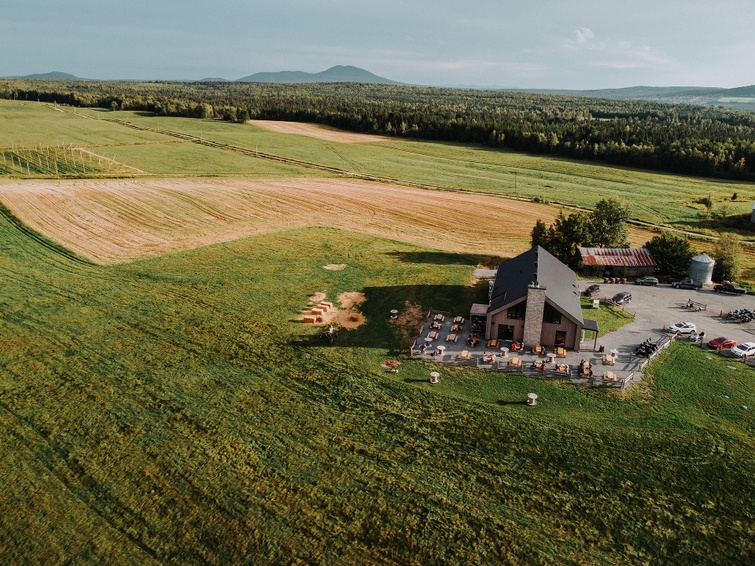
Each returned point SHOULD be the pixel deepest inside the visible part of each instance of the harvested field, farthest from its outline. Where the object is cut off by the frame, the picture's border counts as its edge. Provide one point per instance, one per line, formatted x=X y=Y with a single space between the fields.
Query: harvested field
x=113 y=221
x=318 y=131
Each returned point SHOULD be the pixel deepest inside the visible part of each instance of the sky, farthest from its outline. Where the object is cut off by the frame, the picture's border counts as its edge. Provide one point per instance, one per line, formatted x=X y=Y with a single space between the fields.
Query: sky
x=556 y=44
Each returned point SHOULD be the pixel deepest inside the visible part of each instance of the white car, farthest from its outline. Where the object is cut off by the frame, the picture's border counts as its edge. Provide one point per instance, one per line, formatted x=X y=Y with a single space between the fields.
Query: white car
x=682 y=327
x=743 y=349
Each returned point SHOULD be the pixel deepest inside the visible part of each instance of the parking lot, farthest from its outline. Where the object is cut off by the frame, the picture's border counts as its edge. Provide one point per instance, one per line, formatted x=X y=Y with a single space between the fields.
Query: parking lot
x=657 y=306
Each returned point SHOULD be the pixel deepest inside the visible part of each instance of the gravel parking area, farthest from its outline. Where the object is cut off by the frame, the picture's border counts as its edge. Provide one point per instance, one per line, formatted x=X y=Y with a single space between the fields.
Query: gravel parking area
x=657 y=306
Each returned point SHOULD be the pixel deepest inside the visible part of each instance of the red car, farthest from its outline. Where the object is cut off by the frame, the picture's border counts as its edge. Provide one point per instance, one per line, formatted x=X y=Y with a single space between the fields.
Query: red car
x=722 y=342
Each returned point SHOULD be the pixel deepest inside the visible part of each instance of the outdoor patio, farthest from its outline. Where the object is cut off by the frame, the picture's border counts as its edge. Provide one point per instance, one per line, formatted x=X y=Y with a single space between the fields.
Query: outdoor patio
x=450 y=338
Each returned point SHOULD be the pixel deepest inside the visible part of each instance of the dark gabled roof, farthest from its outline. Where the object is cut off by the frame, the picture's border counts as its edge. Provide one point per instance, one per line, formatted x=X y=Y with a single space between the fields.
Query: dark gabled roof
x=617 y=257
x=537 y=267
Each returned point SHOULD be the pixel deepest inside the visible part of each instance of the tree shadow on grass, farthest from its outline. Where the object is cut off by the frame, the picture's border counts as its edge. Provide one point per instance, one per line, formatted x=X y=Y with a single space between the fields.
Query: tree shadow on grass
x=448 y=258
x=396 y=335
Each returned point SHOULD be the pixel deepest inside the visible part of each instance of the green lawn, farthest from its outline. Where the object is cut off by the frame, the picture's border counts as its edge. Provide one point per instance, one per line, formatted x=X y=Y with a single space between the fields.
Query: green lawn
x=174 y=411
x=608 y=318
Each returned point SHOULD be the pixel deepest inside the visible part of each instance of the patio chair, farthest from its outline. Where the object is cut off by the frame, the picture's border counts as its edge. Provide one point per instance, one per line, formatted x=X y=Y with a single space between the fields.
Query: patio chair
x=492 y=343
x=608 y=360
x=560 y=352
x=538 y=349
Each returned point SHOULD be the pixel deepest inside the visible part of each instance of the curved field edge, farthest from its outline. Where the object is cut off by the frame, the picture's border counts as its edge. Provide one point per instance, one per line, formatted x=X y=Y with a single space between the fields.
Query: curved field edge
x=172 y=410
x=115 y=221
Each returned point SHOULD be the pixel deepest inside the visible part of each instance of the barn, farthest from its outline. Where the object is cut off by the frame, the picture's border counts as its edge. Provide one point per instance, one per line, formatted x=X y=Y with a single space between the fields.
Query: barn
x=617 y=262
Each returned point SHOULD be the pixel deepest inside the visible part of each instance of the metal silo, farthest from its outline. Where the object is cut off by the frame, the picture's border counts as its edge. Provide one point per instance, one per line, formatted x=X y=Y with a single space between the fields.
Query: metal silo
x=701 y=269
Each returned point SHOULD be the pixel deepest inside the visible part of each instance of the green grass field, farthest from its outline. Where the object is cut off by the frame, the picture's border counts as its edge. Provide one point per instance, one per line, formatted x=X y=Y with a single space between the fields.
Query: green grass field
x=653 y=197
x=174 y=410
x=153 y=413
x=672 y=200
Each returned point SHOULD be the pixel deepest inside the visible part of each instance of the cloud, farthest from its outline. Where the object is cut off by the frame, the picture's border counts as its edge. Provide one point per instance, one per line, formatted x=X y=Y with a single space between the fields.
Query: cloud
x=584 y=35
x=614 y=54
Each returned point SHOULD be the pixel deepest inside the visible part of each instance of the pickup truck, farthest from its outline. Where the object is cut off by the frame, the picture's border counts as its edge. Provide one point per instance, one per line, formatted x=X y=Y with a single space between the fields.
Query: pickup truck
x=729 y=288
x=687 y=284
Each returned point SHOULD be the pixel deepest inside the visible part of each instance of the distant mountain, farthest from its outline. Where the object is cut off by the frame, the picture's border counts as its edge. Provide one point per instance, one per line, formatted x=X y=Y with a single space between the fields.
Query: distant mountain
x=213 y=80
x=54 y=76
x=337 y=74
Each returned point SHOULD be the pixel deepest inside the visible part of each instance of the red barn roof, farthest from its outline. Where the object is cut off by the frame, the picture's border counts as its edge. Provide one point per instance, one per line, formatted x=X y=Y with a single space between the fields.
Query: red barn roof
x=617 y=257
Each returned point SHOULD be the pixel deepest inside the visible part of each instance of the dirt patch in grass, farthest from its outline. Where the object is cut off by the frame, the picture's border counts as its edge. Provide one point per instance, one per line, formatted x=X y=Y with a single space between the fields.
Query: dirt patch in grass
x=408 y=322
x=347 y=316
x=391 y=364
x=317 y=297
x=335 y=266
x=318 y=131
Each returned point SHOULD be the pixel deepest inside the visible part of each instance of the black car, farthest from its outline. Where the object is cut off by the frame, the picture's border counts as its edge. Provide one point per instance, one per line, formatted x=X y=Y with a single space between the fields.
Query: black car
x=647 y=280
x=591 y=290
x=621 y=298
x=729 y=288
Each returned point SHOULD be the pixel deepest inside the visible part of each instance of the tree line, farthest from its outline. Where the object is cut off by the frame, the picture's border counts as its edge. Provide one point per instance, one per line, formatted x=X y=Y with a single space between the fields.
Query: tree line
x=606 y=227
x=711 y=142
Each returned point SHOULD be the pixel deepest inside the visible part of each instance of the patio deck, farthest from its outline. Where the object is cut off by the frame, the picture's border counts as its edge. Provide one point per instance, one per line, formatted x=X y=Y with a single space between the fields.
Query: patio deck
x=432 y=345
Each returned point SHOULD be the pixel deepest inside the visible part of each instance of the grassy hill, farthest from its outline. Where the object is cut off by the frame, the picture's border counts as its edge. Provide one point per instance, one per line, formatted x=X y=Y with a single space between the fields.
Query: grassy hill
x=172 y=411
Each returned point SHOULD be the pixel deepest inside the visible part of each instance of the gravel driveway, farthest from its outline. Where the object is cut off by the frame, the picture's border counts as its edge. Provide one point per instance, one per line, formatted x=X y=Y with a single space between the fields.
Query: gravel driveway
x=657 y=306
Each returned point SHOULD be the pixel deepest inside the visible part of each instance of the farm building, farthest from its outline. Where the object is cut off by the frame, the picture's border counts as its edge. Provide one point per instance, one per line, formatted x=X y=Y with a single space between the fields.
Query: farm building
x=535 y=300
x=617 y=262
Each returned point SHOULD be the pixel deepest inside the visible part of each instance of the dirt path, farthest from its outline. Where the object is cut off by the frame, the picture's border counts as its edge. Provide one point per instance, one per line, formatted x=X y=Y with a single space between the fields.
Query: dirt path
x=318 y=131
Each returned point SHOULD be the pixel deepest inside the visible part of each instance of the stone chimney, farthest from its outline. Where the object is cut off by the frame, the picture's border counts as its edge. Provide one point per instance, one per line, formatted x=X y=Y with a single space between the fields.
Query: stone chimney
x=533 y=316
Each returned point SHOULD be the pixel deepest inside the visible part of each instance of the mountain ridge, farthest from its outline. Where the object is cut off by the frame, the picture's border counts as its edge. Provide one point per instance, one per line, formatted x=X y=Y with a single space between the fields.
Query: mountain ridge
x=337 y=74
x=740 y=98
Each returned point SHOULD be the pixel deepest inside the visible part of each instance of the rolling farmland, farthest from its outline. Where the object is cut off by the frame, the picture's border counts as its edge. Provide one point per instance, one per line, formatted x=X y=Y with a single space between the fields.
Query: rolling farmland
x=161 y=402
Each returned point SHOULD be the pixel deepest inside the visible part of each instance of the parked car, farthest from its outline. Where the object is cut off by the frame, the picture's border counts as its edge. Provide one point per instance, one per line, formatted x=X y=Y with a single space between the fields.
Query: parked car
x=647 y=280
x=743 y=349
x=682 y=327
x=621 y=298
x=591 y=290
x=727 y=287
x=687 y=283
x=722 y=342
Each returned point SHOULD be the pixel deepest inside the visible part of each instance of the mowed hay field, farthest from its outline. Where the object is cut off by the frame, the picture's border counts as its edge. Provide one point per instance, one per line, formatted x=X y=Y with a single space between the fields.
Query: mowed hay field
x=174 y=409
x=114 y=221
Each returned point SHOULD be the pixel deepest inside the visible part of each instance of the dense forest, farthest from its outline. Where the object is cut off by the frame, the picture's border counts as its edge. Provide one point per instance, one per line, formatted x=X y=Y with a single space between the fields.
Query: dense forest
x=711 y=142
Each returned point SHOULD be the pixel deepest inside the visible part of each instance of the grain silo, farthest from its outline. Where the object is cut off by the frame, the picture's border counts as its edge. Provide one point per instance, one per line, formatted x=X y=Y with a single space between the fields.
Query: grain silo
x=701 y=269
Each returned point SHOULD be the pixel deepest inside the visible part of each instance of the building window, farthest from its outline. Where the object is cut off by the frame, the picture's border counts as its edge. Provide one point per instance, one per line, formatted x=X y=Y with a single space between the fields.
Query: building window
x=517 y=312
x=551 y=315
